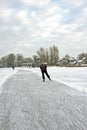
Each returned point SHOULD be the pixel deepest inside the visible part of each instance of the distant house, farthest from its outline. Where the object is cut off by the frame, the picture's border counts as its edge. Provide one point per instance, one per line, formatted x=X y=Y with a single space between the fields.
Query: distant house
x=72 y=61
x=82 y=62
x=67 y=62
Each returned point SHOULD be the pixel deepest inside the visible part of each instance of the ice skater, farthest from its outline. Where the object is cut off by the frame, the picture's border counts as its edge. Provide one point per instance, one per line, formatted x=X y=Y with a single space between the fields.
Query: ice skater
x=13 y=67
x=43 y=68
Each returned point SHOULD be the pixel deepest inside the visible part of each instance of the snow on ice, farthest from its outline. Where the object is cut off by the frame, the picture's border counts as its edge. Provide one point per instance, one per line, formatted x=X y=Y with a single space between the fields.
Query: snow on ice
x=75 y=77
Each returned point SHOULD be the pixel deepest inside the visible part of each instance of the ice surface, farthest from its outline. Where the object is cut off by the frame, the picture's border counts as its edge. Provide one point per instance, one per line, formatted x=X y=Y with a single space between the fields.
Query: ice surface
x=75 y=77
x=5 y=73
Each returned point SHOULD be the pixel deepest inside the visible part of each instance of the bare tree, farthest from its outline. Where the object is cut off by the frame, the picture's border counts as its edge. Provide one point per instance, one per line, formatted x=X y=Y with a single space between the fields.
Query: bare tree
x=42 y=54
x=54 y=55
x=10 y=60
x=50 y=55
x=19 y=60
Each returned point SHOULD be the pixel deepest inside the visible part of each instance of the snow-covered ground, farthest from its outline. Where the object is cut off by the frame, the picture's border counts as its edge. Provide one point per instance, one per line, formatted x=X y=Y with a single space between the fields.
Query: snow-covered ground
x=27 y=103
x=5 y=73
x=73 y=77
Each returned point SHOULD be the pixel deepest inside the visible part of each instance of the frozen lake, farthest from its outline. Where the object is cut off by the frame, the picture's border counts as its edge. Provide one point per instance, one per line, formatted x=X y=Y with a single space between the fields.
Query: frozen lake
x=75 y=77
x=26 y=103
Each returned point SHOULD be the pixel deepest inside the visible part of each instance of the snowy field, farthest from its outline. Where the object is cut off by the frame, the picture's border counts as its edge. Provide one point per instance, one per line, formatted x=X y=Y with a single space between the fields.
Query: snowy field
x=73 y=77
x=5 y=73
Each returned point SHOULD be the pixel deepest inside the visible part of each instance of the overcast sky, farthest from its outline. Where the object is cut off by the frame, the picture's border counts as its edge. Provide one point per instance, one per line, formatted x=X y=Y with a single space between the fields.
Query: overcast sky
x=27 y=25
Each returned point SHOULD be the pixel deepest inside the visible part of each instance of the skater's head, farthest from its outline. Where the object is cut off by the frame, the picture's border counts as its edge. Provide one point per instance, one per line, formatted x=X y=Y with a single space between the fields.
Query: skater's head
x=45 y=63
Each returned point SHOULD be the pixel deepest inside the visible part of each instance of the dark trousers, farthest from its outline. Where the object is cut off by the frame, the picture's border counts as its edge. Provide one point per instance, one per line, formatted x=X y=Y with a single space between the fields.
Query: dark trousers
x=45 y=73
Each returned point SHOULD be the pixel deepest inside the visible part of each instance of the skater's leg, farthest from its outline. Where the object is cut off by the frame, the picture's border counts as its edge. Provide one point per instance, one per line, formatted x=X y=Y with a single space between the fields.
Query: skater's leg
x=47 y=75
x=43 y=76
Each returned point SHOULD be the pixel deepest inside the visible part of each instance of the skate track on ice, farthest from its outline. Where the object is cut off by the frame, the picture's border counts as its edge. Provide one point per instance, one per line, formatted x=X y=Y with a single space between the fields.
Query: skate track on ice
x=26 y=103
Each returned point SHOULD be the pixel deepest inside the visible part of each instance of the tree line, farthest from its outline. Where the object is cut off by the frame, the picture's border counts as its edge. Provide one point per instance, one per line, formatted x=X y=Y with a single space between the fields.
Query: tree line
x=49 y=55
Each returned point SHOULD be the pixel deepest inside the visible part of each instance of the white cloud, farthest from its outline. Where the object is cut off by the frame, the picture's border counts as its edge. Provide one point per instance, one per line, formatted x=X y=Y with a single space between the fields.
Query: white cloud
x=47 y=21
x=16 y=28
x=74 y=3
x=6 y=14
x=24 y=44
x=43 y=21
x=23 y=17
x=39 y=3
x=82 y=17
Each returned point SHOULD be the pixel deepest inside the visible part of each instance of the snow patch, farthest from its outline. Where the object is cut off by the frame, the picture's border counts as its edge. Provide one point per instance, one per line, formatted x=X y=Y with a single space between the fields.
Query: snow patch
x=5 y=73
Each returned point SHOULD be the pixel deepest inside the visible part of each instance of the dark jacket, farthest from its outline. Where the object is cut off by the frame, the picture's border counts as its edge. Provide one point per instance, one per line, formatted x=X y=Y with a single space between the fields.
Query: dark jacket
x=43 y=67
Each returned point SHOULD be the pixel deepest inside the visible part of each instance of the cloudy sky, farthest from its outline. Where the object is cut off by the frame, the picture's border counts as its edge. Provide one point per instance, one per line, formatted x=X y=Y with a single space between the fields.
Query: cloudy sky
x=27 y=25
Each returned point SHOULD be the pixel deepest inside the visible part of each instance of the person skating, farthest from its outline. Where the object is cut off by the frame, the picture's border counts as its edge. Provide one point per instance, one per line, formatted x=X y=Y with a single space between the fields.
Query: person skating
x=44 y=72
x=13 y=67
